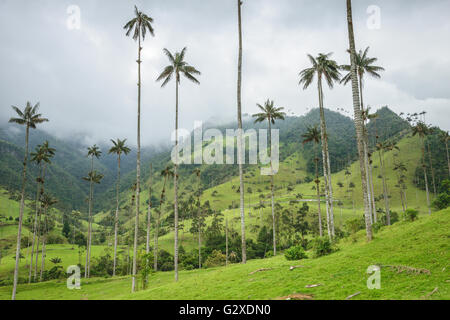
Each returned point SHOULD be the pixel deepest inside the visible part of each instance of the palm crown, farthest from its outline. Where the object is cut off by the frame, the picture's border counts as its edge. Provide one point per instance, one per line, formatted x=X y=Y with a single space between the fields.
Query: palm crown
x=43 y=153
x=421 y=129
x=312 y=135
x=119 y=147
x=178 y=66
x=323 y=66
x=364 y=65
x=139 y=25
x=94 y=177
x=29 y=116
x=269 y=113
x=94 y=151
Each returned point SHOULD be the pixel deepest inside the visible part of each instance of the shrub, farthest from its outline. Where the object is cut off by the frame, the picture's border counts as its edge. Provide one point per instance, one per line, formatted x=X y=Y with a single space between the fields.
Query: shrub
x=411 y=215
x=322 y=247
x=215 y=259
x=354 y=225
x=295 y=253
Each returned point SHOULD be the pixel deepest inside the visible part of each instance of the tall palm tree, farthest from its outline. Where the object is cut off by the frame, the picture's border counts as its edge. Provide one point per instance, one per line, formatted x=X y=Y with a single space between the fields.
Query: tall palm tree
x=29 y=118
x=166 y=173
x=93 y=152
x=422 y=130
x=177 y=67
x=359 y=122
x=47 y=202
x=42 y=155
x=313 y=135
x=445 y=137
x=138 y=26
x=323 y=67
x=197 y=172
x=118 y=148
x=270 y=113
x=240 y=146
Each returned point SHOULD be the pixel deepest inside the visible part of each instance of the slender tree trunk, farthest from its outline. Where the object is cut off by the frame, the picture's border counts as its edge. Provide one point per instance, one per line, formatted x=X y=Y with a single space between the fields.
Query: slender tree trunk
x=88 y=247
x=199 y=227
x=359 y=124
x=426 y=177
x=240 y=142
x=44 y=242
x=323 y=131
x=433 y=180
x=374 y=208
x=37 y=247
x=175 y=181
x=35 y=224
x=116 y=219
x=319 y=214
x=138 y=170
x=272 y=192
x=226 y=241
x=22 y=204
x=385 y=188
x=149 y=217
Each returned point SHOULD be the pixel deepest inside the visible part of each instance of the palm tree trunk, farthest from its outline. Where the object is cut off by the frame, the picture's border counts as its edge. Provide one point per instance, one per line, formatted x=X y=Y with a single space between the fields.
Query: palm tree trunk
x=155 y=240
x=432 y=169
x=149 y=217
x=366 y=157
x=426 y=177
x=175 y=182
x=37 y=246
x=199 y=227
x=226 y=241
x=116 y=219
x=374 y=209
x=358 y=120
x=240 y=146
x=319 y=213
x=22 y=204
x=44 y=241
x=35 y=225
x=323 y=131
x=88 y=247
x=272 y=192
x=138 y=170
x=385 y=190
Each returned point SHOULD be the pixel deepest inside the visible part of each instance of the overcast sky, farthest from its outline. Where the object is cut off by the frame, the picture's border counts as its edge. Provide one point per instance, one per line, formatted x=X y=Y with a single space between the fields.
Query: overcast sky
x=86 y=79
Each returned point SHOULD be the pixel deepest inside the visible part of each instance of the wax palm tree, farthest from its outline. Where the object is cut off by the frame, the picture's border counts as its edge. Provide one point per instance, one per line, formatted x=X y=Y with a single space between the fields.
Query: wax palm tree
x=445 y=137
x=177 y=67
x=29 y=118
x=270 y=113
x=93 y=152
x=42 y=155
x=118 y=148
x=422 y=130
x=166 y=173
x=359 y=122
x=138 y=26
x=240 y=147
x=327 y=69
x=47 y=202
x=313 y=135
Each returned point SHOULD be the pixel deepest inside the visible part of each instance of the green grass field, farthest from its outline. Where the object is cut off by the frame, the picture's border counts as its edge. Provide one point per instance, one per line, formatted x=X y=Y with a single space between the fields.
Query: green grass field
x=423 y=244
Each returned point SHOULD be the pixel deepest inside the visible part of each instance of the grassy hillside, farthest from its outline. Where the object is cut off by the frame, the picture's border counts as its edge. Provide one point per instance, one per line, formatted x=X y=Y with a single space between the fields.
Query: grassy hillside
x=423 y=244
